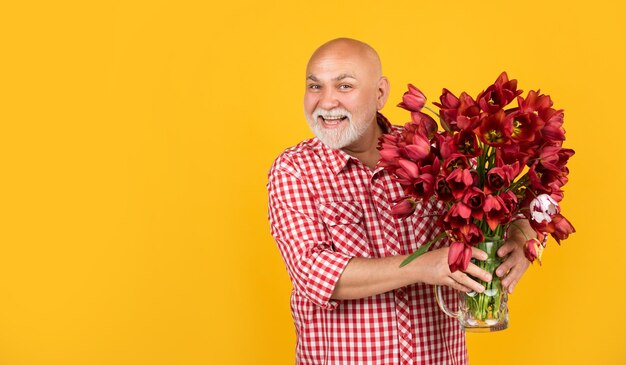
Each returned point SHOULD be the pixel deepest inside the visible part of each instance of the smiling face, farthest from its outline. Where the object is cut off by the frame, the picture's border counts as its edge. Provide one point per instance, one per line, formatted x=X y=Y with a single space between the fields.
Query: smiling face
x=343 y=93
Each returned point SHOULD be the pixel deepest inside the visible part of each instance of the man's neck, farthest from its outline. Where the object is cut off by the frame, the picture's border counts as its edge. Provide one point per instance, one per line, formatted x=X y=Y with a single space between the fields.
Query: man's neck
x=366 y=151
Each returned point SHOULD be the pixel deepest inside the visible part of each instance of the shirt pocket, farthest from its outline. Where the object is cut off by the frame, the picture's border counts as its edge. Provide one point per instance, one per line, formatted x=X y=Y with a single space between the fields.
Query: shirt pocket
x=421 y=227
x=344 y=222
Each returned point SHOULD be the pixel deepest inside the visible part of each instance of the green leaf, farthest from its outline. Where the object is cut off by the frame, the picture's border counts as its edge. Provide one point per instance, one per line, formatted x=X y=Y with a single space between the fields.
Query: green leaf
x=420 y=251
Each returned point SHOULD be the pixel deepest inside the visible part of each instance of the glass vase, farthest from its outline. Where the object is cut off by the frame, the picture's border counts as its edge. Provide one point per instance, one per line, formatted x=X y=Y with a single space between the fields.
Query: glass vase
x=486 y=311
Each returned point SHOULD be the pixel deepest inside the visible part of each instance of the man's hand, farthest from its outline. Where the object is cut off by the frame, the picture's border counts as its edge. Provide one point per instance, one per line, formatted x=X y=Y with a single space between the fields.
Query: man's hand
x=515 y=263
x=435 y=271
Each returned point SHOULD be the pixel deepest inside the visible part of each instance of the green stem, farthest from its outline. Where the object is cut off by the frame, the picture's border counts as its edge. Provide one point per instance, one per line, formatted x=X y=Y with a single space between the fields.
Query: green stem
x=522 y=181
x=432 y=111
x=422 y=250
x=482 y=160
x=486 y=305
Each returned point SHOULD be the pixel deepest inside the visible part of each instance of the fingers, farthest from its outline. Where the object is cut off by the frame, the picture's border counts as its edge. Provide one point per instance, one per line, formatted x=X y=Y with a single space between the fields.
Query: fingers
x=513 y=267
x=458 y=286
x=506 y=248
x=467 y=282
x=478 y=273
x=514 y=275
x=479 y=254
x=505 y=267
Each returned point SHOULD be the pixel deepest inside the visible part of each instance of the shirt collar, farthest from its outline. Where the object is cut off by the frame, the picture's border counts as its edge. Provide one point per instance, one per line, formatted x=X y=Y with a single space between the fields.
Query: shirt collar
x=338 y=159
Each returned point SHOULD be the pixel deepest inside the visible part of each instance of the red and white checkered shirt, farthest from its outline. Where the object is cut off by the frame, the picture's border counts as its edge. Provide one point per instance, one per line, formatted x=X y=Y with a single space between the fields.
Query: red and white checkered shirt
x=326 y=207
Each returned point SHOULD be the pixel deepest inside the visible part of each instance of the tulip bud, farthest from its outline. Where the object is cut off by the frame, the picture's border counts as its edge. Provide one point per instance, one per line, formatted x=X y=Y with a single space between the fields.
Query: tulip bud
x=562 y=228
x=419 y=148
x=533 y=250
x=410 y=167
x=459 y=256
x=455 y=256
x=389 y=154
x=413 y=100
x=404 y=209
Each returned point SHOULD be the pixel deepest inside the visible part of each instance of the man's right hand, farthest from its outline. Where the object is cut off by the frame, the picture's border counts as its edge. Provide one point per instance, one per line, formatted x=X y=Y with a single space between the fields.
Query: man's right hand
x=432 y=268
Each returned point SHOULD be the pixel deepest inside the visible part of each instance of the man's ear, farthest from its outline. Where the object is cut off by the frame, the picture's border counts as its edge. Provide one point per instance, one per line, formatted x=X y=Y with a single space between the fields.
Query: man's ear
x=382 y=93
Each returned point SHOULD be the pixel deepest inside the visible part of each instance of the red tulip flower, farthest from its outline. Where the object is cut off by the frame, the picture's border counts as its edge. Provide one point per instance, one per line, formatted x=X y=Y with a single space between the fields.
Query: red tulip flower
x=459 y=256
x=544 y=180
x=510 y=200
x=533 y=250
x=500 y=177
x=448 y=110
x=512 y=153
x=553 y=131
x=413 y=100
x=423 y=186
x=459 y=181
x=404 y=208
x=474 y=198
x=469 y=233
x=468 y=115
x=495 y=211
x=389 y=153
x=458 y=215
x=419 y=149
x=455 y=162
x=402 y=177
x=562 y=228
x=534 y=102
x=426 y=125
x=410 y=167
x=498 y=95
x=495 y=129
x=525 y=126
x=443 y=190
x=466 y=143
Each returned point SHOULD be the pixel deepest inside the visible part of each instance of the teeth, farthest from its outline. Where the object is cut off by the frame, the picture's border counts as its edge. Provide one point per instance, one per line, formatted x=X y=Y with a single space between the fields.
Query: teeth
x=334 y=118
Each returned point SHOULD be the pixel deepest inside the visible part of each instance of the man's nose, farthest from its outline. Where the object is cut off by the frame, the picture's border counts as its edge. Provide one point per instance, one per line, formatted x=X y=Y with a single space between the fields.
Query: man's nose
x=328 y=99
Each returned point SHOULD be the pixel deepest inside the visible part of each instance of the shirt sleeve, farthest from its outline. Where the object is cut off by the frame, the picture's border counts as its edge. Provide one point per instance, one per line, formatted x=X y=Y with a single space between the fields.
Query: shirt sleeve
x=313 y=266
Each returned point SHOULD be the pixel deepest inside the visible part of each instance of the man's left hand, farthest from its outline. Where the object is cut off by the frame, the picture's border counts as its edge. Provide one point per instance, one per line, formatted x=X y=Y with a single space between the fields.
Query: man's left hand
x=515 y=263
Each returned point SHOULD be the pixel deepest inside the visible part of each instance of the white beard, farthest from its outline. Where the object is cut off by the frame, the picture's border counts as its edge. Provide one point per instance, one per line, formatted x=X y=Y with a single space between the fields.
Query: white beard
x=336 y=138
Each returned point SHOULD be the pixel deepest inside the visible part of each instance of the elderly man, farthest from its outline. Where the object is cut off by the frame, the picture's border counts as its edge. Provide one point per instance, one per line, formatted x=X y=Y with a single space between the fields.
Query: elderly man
x=329 y=211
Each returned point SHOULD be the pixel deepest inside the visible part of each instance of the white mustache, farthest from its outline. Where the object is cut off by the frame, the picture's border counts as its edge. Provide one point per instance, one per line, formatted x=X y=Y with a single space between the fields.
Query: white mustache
x=333 y=113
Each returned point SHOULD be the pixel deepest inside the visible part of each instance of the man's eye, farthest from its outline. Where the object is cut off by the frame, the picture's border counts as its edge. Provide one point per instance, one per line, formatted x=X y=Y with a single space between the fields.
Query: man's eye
x=345 y=87
x=314 y=86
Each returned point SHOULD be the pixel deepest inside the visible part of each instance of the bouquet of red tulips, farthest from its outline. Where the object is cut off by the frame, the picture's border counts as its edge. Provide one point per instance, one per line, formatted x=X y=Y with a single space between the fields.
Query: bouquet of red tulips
x=491 y=164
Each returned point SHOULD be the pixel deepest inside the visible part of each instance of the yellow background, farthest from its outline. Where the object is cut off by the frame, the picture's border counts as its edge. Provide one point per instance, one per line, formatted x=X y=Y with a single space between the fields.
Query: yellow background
x=136 y=137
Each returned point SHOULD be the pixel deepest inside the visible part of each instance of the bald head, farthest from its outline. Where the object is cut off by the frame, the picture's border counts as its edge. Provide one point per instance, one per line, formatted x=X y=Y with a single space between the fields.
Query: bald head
x=344 y=90
x=350 y=50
